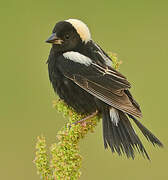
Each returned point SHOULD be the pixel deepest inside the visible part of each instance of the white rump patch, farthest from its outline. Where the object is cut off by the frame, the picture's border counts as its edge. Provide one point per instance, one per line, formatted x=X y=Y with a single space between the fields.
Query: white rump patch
x=77 y=57
x=114 y=116
x=81 y=28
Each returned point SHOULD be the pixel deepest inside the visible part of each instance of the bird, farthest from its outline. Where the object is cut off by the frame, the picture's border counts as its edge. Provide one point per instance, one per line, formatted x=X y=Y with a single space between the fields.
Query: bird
x=81 y=73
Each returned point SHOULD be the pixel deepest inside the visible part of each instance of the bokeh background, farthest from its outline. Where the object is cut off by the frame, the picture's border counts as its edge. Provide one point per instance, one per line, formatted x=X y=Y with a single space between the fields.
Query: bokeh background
x=136 y=30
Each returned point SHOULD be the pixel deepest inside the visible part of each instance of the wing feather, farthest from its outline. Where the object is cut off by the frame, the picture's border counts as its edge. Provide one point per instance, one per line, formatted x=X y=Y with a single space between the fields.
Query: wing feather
x=118 y=100
x=101 y=81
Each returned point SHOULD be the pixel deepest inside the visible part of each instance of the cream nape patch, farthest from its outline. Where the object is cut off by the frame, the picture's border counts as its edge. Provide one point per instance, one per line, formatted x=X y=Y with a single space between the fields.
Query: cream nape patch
x=81 y=29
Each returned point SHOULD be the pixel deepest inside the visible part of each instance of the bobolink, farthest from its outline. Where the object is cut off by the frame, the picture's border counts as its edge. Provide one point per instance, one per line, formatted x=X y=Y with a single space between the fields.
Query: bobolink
x=81 y=74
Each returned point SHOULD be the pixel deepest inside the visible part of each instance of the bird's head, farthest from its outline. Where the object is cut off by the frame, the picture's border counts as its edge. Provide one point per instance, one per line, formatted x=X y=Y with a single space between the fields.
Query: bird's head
x=69 y=34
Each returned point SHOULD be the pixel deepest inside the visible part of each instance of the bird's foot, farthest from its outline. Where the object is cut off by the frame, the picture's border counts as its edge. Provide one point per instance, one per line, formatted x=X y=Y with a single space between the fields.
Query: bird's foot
x=83 y=121
x=86 y=118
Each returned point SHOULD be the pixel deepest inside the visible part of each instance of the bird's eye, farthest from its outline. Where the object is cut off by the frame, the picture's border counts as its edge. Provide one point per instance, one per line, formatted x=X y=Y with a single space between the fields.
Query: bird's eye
x=67 y=36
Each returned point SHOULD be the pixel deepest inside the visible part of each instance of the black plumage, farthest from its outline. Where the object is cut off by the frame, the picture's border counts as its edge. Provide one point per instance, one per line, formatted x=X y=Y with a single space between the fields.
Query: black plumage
x=81 y=74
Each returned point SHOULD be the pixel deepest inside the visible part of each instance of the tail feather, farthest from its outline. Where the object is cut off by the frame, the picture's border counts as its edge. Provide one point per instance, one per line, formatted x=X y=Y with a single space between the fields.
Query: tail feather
x=136 y=142
x=122 y=138
x=105 y=130
x=149 y=136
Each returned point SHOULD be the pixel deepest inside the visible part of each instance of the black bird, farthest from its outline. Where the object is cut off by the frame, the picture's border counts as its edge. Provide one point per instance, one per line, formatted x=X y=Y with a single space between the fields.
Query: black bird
x=81 y=74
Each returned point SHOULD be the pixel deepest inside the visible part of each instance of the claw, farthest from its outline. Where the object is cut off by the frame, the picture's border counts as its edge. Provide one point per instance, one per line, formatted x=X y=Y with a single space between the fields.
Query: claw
x=86 y=118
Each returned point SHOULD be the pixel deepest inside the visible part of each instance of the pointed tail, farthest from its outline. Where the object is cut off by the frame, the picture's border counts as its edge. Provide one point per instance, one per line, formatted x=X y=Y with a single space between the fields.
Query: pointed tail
x=120 y=136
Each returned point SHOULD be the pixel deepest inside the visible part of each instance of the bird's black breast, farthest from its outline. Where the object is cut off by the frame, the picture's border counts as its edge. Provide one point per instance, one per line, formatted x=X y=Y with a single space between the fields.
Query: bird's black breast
x=67 y=90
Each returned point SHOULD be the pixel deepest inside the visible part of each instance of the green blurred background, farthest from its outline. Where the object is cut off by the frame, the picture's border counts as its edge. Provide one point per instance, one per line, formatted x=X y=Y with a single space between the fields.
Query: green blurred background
x=136 y=30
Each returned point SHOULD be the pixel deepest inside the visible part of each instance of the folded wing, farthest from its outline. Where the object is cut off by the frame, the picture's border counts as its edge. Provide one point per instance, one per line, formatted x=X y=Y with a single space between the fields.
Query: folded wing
x=103 y=82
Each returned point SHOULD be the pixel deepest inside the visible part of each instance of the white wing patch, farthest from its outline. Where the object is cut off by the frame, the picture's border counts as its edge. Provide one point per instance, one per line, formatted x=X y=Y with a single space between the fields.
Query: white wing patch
x=114 y=116
x=77 y=57
x=81 y=29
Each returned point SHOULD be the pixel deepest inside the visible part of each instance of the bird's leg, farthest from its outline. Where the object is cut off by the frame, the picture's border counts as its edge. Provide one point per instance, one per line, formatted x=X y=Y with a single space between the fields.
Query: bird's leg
x=86 y=118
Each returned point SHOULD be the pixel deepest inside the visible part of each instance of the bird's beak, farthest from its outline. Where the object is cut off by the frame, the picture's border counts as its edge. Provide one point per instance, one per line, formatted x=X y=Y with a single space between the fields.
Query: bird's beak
x=54 y=39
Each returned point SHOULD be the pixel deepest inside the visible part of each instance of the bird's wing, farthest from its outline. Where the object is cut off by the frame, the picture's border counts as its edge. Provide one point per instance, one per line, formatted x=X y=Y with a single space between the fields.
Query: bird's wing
x=103 y=82
x=98 y=55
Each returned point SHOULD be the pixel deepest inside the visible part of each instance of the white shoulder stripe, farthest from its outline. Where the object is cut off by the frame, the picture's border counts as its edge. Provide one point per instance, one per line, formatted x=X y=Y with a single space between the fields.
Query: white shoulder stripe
x=77 y=57
x=106 y=59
